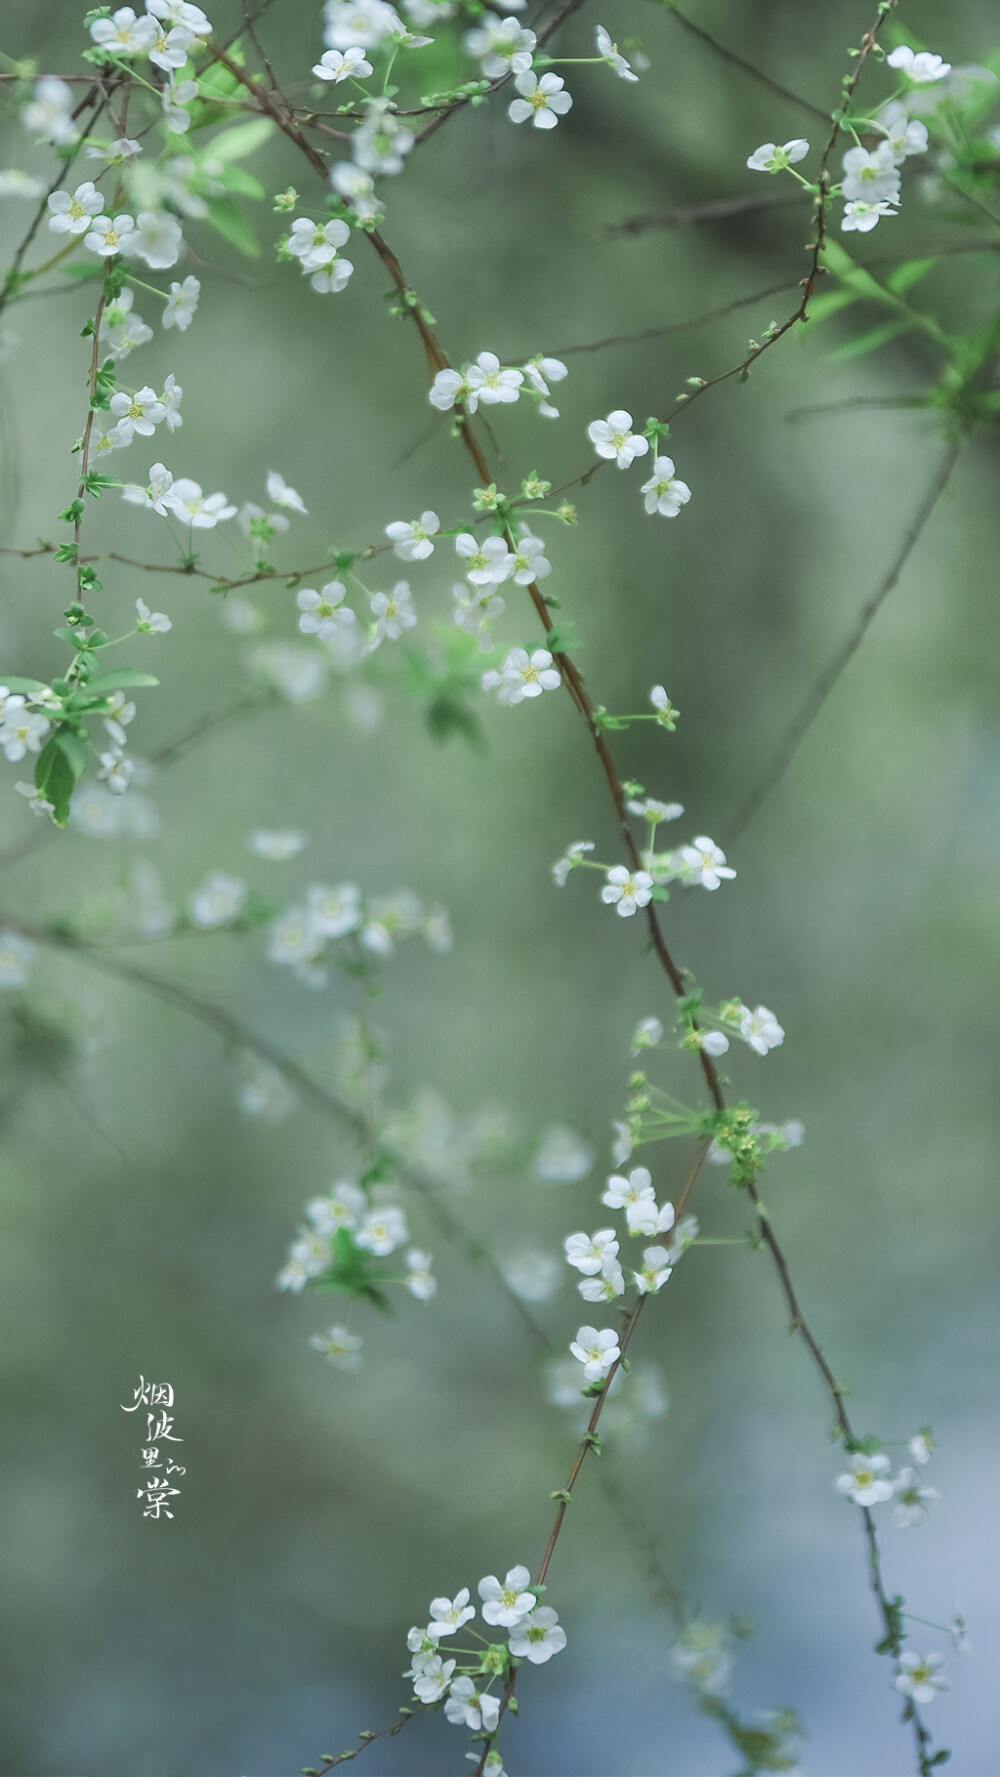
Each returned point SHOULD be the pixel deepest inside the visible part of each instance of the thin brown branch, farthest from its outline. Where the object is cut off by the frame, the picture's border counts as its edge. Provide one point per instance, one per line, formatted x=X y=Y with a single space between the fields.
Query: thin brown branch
x=738 y=61
x=813 y=703
x=717 y=210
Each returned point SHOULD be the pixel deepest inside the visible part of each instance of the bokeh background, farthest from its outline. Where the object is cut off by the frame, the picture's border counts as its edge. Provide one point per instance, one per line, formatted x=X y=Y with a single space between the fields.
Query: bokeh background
x=144 y=1215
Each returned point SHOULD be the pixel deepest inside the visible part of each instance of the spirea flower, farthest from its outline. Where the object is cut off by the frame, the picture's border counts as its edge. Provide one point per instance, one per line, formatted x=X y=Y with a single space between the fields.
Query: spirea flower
x=769 y=158
x=502 y=46
x=921 y=1447
x=530 y=562
x=586 y=1252
x=420 y=1281
x=705 y=862
x=123 y=34
x=449 y=1614
x=608 y=1283
x=760 y=1029
x=156 y=238
x=393 y=612
x=431 y=1676
x=218 y=901
x=538 y=1636
x=490 y=382
x=202 y=511
x=413 y=541
x=867 y=1480
x=597 y=1350
x=488 y=563
x=543 y=101
x=627 y=890
x=664 y=492
x=471 y=1708
x=861 y=216
x=918 y=65
x=381 y=1230
x=609 y=51
x=656 y=1268
x=49 y=111
x=614 y=439
x=570 y=860
x=21 y=730
x=523 y=675
x=149 y=622
x=139 y=413
x=340 y=1348
x=871 y=174
x=323 y=613
x=509 y=1603
x=338 y=65
x=921 y=1678
x=73 y=215
x=912 y=1499
x=181 y=304
x=156 y=495
x=109 y=235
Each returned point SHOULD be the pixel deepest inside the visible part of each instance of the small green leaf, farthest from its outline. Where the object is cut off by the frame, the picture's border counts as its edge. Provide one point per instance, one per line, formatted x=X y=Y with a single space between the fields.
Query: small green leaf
x=27 y=687
x=120 y=679
x=55 y=780
x=225 y=216
x=237 y=143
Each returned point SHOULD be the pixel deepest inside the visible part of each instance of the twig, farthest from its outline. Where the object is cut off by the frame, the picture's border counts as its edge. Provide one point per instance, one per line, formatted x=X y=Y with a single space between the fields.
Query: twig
x=717 y=210
x=799 y=727
x=738 y=61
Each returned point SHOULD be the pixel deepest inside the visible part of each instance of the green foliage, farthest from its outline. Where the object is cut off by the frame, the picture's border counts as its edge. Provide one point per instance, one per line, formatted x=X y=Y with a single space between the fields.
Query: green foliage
x=450 y=685
x=355 y=1273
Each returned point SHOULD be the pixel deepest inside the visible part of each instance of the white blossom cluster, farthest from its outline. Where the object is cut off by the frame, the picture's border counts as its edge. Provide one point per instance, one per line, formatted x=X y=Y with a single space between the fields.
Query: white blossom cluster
x=870 y=180
x=522 y=1629
x=300 y=936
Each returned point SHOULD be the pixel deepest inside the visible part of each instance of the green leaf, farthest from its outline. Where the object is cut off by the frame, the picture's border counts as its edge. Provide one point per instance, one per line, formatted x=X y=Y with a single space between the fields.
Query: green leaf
x=238 y=179
x=225 y=216
x=828 y=302
x=237 y=143
x=120 y=679
x=27 y=687
x=868 y=342
x=94 y=270
x=55 y=779
x=905 y=276
x=562 y=638
x=73 y=749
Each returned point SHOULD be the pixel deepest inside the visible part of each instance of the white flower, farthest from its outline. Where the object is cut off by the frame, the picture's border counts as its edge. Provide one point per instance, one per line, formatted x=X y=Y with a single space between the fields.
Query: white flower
x=523 y=675
x=471 y=1708
x=621 y=1147
x=634 y=1195
x=181 y=12
x=419 y=1280
x=685 y=1235
x=509 y=1603
x=608 y=1284
x=151 y=622
x=109 y=236
x=73 y=215
x=769 y=158
x=36 y=802
x=562 y=1157
x=609 y=51
x=706 y=862
x=544 y=101
x=113 y=153
x=627 y=890
x=116 y=770
x=700 y=1657
x=362 y=22
x=176 y=96
x=614 y=439
x=488 y=564
x=866 y=1481
x=490 y=383
x=181 y=304
x=539 y=372
x=656 y=1268
x=714 y=1042
x=871 y=174
x=905 y=135
x=912 y=1500
x=324 y=614
x=343 y=1207
x=123 y=34
x=648 y=1032
x=431 y=1676
x=16 y=956
x=219 y=899
x=448 y=388
x=358 y=187
x=570 y=860
x=121 y=330
x=537 y=1637
x=280 y=494
x=332 y=912
x=314 y=244
x=654 y=811
x=586 y=1254
x=381 y=142
x=341 y=1348
x=169 y=49
x=529 y=559
x=332 y=277
x=382 y=1230
x=21 y=730
x=49 y=111
x=661 y=703
x=155 y=497
x=760 y=1029
x=921 y=1447
x=278 y=846
x=156 y=238
x=201 y=511
x=15 y=183
x=664 y=493
x=393 y=612
x=918 y=66
x=139 y=413
x=502 y=46
x=449 y=1614
x=412 y=542
x=921 y=1679
x=338 y=65
x=862 y=217
x=597 y=1350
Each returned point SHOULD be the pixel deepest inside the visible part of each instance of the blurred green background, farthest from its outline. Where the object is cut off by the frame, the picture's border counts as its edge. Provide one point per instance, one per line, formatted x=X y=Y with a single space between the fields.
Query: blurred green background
x=144 y=1216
